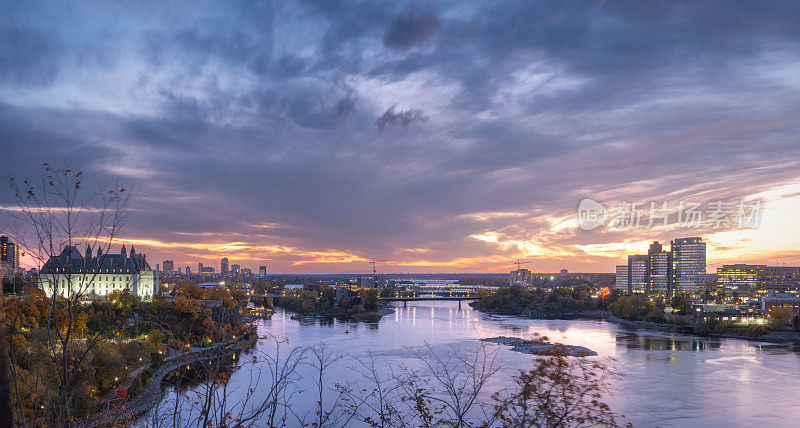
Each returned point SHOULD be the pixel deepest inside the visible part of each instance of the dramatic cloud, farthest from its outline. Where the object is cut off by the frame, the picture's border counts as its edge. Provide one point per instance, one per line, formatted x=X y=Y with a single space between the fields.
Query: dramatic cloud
x=249 y=129
x=411 y=28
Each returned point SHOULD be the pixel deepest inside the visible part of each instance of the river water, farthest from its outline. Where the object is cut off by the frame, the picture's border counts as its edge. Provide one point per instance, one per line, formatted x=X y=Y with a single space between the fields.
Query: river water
x=665 y=379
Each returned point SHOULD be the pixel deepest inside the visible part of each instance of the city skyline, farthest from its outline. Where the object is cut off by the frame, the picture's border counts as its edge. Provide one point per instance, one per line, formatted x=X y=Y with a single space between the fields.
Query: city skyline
x=442 y=138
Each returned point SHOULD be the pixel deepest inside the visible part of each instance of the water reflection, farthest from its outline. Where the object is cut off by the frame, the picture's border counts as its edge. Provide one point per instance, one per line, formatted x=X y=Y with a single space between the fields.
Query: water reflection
x=655 y=343
x=666 y=379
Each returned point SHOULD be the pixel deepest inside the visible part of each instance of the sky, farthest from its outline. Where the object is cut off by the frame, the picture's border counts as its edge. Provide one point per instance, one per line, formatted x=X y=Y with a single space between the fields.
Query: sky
x=453 y=136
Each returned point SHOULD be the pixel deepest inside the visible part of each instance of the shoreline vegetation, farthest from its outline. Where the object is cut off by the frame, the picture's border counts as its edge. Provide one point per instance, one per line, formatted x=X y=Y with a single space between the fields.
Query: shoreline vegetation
x=133 y=341
x=326 y=303
x=630 y=311
x=134 y=408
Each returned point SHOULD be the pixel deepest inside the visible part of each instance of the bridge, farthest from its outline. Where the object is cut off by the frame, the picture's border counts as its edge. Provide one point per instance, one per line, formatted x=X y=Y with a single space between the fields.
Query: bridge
x=405 y=300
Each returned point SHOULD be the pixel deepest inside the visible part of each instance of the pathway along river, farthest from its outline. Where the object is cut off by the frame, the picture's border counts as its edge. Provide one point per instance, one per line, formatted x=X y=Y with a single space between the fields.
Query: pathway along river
x=667 y=379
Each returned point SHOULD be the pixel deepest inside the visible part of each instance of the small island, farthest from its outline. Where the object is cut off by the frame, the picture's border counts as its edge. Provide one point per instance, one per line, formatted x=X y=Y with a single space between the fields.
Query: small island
x=329 y=303
x=559 y=303
x=539 y=346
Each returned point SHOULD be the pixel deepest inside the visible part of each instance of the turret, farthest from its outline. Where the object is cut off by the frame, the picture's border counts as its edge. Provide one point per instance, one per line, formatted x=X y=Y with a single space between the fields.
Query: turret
x=88 y=251
x=124 y=252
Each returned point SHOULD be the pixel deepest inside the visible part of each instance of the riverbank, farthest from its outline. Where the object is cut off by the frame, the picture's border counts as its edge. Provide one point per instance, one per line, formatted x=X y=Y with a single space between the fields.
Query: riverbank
x=151 y=395
x=540 y=315
x=771 y=337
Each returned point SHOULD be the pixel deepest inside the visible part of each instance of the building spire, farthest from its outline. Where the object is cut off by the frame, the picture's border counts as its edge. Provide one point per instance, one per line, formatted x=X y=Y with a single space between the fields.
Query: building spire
x=124 y=251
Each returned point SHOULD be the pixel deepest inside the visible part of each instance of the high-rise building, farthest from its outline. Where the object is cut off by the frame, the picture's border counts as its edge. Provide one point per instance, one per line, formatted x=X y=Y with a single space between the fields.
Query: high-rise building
x=207 y=270
x=262 y=271
x=188 y=270
x=9 y=252
x=223 y=266
x=621 y=281
x=637 y=273
x=246 y=272
x=235 y=269
x=520 y=277
x=657 y=278
x=688 y=266
x=199 y=268
x=168 y=266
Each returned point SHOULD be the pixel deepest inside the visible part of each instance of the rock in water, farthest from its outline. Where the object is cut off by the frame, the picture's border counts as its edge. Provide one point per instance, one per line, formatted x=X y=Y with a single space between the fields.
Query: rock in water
x=538 y=347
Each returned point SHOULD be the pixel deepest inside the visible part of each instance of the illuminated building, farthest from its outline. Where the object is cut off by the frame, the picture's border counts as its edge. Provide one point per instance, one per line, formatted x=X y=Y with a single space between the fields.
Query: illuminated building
x=520 y=277
x=9 y=253
x=235 y=269
x=637 y=273
x=621 y=282
x=739 y=280
x=199 y=268
x=188 y=270
x=657 y=276
x=167 y=266
x=688 y=266
x=96 y=276
x=223 y=266
x=262 y=271
x=778 y=280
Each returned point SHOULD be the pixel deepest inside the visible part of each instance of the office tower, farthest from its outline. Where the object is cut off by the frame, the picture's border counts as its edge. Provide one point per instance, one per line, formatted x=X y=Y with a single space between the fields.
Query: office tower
x=235 y=269
x=739 y=278
x=188 y=270
x=167 y=266
x=778 y=280
x=688 y=267
x=621 y=282
x=637 y=273
x=262 y=271
x=520 y=277
x=223 y=266
x=199 y=268
x=657 y=270
x=9 y=252
x=207 y=270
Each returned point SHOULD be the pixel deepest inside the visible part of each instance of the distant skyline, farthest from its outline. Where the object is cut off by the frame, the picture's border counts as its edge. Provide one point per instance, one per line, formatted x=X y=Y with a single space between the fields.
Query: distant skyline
x=441 y=136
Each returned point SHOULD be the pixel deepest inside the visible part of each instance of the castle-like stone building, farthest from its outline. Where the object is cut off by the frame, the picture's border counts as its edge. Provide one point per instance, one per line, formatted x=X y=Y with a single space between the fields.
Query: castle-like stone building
x=97 y=275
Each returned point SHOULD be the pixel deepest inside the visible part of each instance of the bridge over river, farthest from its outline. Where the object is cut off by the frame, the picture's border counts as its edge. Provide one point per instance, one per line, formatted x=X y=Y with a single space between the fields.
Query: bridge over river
x=405 y=300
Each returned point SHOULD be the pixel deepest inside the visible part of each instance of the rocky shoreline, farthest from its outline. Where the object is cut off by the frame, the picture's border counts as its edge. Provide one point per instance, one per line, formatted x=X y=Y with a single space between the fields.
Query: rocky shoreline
x=538 y=347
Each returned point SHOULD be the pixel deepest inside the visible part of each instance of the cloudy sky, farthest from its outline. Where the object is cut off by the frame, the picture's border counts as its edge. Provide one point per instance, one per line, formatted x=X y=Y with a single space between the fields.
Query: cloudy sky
x=445 y=136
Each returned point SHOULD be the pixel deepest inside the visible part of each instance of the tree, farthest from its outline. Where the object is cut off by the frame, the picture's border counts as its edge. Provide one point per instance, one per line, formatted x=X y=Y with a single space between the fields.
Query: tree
x=682 y=304
x=371 y=299
x=780 y=316
x=559 y=391
x=57 y=212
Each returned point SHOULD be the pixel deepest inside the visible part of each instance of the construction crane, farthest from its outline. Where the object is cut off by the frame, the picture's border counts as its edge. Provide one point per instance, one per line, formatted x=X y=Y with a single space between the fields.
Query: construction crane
x=374 y=264
x=518 y=263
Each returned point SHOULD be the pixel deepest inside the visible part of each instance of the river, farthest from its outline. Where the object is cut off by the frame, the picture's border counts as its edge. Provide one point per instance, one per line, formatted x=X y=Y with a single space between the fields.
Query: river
x=665 y=379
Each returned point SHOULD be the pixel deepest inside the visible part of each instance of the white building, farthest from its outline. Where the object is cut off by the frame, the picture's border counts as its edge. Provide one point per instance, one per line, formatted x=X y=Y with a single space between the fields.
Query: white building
x=97 y=276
